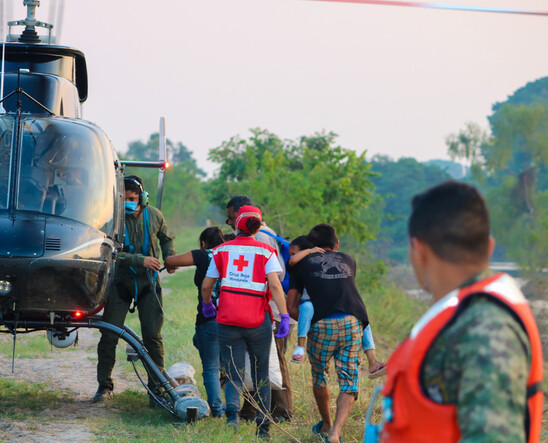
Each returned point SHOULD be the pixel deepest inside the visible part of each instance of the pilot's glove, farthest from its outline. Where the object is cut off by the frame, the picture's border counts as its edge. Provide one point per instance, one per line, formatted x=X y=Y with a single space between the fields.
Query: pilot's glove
x=283 y=329
x=209 y=309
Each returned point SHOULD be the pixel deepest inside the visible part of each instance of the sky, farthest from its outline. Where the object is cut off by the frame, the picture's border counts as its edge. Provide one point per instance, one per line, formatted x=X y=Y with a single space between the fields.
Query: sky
x=390 y=80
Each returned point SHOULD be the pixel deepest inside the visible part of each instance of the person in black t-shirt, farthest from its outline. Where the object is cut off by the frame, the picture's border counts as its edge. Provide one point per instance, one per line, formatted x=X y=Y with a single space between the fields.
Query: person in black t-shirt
x=205 y=339
x=337 y=325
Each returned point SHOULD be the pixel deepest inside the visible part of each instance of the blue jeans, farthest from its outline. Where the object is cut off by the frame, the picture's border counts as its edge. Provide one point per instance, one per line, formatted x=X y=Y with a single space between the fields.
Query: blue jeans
x=368 y=342
x=306 y=312
x=207 y=343
x=233 y=341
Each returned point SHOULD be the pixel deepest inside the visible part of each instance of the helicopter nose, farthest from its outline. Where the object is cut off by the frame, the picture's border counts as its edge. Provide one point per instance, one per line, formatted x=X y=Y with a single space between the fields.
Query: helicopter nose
x=22 y=237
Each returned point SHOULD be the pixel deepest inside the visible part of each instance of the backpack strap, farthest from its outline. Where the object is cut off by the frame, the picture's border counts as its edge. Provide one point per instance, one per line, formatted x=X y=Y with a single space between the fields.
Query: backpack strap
x=284 y=251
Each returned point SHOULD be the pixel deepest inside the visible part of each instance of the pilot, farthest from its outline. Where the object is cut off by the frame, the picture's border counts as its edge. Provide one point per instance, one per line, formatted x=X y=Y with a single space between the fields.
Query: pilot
x=136 y=284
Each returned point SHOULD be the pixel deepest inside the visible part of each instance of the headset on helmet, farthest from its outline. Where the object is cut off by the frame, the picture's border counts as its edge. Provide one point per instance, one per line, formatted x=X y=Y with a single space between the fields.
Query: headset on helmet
x=143 y=195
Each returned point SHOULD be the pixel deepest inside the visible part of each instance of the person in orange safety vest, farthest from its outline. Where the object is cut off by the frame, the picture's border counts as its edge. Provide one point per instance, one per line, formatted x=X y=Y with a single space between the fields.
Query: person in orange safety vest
x=471 y=368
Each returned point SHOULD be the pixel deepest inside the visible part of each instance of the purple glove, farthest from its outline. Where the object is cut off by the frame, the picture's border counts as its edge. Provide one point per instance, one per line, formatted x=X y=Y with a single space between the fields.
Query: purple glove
x=209 y=309
x=283 y=329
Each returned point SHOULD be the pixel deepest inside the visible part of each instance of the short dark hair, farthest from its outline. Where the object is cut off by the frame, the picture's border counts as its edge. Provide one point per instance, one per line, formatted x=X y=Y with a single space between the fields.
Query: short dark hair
x=132 y=182
x=323 y=236
x=238 y=201
x=211 y=237
x=452 y=219
x=302 y=242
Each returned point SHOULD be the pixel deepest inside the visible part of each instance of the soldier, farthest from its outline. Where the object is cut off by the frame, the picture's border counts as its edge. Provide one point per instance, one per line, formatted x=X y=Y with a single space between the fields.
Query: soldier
x=471 y=369
x=137 y=284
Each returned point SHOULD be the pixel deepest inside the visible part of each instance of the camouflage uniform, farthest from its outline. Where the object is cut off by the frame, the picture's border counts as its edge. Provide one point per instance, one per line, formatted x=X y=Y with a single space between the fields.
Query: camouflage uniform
x=480 y=363
x=149 y=295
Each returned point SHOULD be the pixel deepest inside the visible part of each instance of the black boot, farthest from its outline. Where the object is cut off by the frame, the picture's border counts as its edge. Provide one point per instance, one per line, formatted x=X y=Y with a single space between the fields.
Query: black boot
x=263 y=430
x=103 y=393
x=233 y=419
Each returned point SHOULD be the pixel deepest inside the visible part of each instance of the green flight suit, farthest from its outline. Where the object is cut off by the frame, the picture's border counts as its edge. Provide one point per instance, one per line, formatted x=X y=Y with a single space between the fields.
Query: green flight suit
x=132 y=278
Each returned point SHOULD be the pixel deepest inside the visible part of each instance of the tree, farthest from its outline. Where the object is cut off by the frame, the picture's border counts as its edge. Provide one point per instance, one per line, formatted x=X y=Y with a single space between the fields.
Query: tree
x=177 y=153
x=513 y=160
x=296 y=183
x=467 y=145
x=184 y=200
x=397 y=182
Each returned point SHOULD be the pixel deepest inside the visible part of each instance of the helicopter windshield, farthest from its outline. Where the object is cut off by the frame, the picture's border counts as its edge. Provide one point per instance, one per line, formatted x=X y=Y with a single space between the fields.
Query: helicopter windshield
x=66 y=170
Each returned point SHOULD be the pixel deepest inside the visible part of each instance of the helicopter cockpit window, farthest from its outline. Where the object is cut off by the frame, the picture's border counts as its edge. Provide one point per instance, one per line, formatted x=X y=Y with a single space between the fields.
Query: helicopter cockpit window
x=64 y=172
x=45 y=64
x=6 y=134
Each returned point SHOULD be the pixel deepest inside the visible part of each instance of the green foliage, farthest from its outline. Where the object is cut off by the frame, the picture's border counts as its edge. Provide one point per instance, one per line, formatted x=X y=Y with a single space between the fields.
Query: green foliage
x=466 y=145
x=184 y=199
x=297 y=183
x=176 y=153
x=533 y=92
x=397 y=182
x=512 y=164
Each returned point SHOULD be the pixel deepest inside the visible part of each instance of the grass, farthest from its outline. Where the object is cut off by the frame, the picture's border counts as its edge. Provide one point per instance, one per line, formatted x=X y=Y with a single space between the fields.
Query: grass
x=395 y=312
x=128 y=418
x=20 y=399
x=34 y=345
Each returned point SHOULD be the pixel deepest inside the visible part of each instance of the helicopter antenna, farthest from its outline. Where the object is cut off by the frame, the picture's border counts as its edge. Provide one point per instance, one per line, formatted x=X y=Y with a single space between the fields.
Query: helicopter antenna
x=440 y=6
x=162 y=172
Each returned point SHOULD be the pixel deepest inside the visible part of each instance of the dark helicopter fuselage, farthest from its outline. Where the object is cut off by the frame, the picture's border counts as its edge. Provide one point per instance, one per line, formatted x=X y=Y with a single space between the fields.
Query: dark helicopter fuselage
x=61 y=189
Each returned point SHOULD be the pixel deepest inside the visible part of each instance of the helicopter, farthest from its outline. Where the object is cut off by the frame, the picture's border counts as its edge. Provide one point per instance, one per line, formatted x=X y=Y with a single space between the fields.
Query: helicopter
x=61 y=200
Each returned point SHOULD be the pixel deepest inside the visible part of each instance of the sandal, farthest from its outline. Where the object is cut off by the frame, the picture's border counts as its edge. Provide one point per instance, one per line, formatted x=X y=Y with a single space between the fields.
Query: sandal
x=298 y=355
x=379 y=371
x=317 y=429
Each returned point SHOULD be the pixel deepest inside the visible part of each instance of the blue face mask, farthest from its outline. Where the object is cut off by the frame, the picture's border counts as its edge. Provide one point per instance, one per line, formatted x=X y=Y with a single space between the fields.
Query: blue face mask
x=131 y=207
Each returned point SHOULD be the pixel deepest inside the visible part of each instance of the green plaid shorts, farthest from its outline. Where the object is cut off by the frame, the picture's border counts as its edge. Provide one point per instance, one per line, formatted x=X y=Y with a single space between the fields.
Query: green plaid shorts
x=340 y=338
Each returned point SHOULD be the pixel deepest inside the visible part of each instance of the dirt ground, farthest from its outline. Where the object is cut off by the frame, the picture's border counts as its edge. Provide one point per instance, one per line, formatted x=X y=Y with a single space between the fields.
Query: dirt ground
x=71 y=371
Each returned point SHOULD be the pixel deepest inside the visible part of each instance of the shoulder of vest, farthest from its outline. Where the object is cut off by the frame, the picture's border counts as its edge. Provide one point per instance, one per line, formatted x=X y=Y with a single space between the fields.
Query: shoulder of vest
x=500 y=288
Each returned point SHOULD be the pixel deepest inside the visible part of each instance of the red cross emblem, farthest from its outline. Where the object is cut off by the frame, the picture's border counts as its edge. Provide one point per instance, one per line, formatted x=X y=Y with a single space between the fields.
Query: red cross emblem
x=241 y=263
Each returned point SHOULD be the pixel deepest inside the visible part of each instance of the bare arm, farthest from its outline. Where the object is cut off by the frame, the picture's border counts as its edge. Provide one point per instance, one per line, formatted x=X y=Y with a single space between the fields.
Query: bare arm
x=175 y=261
x=293 y=298
x=207 y=289
x=296 y=258
x=276 y=289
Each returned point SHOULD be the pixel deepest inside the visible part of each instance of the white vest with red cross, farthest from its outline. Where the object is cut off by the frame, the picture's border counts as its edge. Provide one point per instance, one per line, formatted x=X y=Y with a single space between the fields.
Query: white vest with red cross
x=412 y=417
x=244 y=293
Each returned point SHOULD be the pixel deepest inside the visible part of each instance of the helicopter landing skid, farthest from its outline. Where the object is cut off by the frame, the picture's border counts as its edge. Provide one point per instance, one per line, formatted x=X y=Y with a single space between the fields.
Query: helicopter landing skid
x=164 y=393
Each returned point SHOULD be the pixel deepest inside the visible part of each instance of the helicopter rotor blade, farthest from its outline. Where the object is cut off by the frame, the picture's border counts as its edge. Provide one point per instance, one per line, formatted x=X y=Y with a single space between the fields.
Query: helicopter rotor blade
x=440 y=6
x=162 y=156
x=52 y=9
x=59 y=20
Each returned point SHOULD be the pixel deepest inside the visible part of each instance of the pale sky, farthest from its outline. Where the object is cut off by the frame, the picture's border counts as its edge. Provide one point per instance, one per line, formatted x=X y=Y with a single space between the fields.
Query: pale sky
x=388 y=80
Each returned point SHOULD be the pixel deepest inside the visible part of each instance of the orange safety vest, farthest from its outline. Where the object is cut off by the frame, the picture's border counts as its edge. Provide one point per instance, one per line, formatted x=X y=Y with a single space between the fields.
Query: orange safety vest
x=409 y=415
x=244 y=293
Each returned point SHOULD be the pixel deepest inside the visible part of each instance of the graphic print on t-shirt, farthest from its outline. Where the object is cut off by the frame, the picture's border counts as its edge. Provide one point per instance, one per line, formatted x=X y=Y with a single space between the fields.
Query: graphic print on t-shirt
x=332 y=266
x=240 y=267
